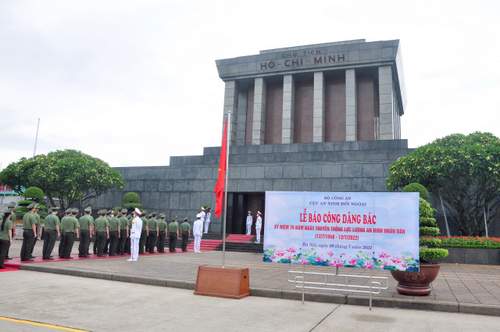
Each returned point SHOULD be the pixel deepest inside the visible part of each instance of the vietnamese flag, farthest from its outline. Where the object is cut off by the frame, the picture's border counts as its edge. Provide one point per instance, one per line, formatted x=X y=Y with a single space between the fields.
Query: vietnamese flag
x=219 y=188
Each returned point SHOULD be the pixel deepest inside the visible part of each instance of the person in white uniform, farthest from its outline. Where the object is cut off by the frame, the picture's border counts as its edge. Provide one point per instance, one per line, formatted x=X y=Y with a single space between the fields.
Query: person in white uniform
x=258 y=226
x=202 y=213
x=249 y=223
x=197 y=232
x=135 y=236
x=207 y=220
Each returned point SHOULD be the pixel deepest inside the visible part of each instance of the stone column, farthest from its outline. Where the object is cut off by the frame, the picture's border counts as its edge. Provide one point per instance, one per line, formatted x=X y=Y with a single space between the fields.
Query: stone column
x=319 y=108
x=231 y=104
x=242 y=117
x=386 y=102
x=259 y=112
x=351 y=120
x=288 y=109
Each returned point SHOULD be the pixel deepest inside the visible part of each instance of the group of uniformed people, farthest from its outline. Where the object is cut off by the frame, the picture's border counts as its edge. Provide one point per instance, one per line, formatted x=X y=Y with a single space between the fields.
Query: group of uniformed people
x=110 y=232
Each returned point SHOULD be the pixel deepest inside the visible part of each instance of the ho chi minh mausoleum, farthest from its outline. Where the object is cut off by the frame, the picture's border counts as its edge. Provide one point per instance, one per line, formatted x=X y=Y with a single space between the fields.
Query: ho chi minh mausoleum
x=320 y=117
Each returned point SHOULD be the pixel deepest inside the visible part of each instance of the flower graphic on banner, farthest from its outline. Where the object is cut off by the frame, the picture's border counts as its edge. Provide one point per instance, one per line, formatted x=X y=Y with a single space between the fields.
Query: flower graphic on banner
x=362 y=259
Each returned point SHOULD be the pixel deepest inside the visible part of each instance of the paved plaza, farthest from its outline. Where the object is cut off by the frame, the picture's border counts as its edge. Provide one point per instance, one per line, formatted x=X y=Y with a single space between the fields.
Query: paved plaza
x=458 y=288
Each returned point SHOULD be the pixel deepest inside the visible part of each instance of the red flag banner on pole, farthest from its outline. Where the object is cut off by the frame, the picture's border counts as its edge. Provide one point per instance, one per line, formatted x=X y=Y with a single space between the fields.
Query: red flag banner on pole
x=219 y=188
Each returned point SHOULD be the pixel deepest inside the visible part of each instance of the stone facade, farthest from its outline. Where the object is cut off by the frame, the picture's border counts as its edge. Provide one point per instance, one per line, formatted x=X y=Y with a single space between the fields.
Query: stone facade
x=297 y=94
x=188 y=183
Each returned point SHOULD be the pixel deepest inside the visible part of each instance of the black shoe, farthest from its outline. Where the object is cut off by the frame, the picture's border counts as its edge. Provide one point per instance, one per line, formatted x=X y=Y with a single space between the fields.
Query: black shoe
x=9 y=258
x=112 y=255
x=69 y=257
x=51 y=256
x=100 y=255
x=29 y=260
x=33 y=256
x=51 y=259
x=2 y=267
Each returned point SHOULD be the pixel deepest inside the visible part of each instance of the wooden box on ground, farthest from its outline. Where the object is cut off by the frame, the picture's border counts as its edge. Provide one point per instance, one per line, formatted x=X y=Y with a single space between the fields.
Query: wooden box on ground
x=222 y=282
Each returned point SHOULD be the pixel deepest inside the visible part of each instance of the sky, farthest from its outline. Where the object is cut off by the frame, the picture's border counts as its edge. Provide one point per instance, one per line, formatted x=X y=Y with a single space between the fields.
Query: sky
x=135 y=82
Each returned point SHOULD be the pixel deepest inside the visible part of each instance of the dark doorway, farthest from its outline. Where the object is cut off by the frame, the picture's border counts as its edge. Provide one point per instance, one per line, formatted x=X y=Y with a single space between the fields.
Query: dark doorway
x=238 y=204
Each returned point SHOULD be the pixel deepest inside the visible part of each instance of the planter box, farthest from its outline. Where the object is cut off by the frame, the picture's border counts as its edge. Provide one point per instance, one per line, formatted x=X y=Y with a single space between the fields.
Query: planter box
x=472 y=256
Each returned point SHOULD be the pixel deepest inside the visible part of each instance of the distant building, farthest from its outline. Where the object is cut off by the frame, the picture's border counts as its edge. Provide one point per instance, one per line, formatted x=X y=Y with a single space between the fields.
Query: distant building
x=320 y=117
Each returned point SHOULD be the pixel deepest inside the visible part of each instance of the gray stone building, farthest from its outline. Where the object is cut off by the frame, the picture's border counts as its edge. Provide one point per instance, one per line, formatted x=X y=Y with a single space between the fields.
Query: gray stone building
x=320 y=117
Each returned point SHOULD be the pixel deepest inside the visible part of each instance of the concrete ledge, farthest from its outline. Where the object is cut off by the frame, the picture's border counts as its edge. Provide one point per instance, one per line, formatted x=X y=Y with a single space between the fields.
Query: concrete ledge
x=480 y=309
x=403 y=303
x=263 y=292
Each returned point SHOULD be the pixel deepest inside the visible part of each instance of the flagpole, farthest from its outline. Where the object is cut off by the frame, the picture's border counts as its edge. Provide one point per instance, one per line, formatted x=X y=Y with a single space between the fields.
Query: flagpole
x=228 y=139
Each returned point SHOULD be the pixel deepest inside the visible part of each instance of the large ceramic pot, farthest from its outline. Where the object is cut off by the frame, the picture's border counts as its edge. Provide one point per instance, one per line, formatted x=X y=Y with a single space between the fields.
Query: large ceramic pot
x=416 y=283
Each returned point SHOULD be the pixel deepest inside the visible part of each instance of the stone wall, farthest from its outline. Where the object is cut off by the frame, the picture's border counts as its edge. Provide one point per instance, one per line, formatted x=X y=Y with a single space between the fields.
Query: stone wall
x=188 y=183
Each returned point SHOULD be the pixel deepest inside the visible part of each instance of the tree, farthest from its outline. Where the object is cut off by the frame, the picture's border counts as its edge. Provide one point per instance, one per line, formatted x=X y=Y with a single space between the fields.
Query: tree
x=464 y=170
x=68 y=175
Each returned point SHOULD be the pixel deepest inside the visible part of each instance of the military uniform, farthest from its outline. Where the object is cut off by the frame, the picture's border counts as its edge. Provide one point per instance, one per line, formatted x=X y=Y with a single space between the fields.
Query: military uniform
x=153 y=233
x=5 y=236
x=51 y=233
x=61 y=242
x=258 y=226
x=144 y=233
x=29 y=234
x=86 y=224
x=114 y=235
x=185 y=232
x=38 y=230
x=135 y=235
x=12 y=206
x=70 y=227
x=198 y=233
x=124 y=230
x=249 y=223
x=162 y=226
x=173 y=229
x=102 y=231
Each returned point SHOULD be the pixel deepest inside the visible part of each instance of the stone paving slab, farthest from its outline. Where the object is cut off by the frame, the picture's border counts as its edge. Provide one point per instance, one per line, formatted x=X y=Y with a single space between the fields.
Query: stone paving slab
x=458 y=288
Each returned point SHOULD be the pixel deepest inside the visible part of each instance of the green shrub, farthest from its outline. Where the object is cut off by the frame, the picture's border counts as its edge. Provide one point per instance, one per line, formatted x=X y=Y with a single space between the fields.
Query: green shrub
x=417 y=188
x=429 y=231
x=430 y=242
x=428 y=255
x=131 y=197
x=429 y=222
x=34 y=192
x=25 y=202
x=425 y=209
x=132 y=205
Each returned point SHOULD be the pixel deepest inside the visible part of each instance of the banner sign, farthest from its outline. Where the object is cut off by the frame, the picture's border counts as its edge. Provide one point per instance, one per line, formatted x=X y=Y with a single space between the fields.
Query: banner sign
x=358 y=230
x=5 y=190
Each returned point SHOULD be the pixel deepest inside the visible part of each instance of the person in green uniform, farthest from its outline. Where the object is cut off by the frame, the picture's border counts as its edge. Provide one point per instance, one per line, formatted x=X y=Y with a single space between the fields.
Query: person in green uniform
x=29 y=233
x=173 y=230
x=153 y=232
x=124 y=232
x=127 y=243
x=5 y=235
x=38 y=228
x=144 y=233
x=71 y=228
x=162 y=226
x=86 y=224
x=114 y=234
x=67 y=214
x=12 y=206
x=102 y=231
x=51 y=233
x=185 y=233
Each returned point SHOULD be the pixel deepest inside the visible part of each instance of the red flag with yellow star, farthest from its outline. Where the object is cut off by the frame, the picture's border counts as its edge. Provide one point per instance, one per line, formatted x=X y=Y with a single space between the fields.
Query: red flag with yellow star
x=219 y=187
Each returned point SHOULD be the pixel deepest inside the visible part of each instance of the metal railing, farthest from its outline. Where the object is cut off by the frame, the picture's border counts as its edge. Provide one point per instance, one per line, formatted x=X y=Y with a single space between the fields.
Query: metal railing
x=376 y=284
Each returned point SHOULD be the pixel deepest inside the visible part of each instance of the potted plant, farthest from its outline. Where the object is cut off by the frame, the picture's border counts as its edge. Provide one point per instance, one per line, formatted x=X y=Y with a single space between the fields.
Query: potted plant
x=418 y=283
